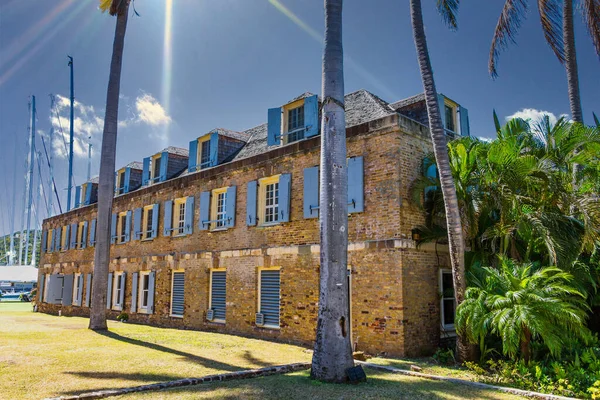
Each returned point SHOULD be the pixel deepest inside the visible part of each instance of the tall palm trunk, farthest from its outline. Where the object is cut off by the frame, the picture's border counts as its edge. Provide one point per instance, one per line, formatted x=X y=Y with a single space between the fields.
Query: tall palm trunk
x=333 y=351
x=440 y=149
x=107 y=176
x=571 y=62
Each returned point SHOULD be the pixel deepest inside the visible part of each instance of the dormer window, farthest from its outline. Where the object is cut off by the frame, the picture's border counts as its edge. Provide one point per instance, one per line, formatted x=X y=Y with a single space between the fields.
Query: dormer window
x=121 y=182
x=455 y=118
x=294 y=121
x=163 y=166
x=156 y=168
x=205 y=154
x=450 y=113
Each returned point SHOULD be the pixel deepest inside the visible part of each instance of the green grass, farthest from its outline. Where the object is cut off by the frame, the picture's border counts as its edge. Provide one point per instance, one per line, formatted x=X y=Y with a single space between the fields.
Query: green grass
x=43 y=356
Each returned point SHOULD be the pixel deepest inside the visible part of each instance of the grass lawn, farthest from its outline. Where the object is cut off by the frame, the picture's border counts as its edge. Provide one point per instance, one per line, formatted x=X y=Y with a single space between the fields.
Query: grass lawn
x=43 y=356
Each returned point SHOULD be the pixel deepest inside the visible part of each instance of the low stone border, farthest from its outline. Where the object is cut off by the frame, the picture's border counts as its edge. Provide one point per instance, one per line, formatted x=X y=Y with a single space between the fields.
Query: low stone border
x=478 y=385
x=251 y=373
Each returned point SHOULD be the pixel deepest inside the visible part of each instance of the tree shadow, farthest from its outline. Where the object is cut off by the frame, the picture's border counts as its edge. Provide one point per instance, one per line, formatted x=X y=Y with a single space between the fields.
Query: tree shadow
x=248 y=356
x=206 y=362
x=143 y=377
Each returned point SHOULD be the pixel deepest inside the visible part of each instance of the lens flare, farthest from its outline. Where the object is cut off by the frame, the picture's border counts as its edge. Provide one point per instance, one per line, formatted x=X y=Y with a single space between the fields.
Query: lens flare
x=167 y=76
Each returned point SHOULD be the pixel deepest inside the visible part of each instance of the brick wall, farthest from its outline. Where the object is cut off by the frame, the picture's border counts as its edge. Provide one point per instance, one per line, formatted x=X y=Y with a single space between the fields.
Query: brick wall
x=395 y=301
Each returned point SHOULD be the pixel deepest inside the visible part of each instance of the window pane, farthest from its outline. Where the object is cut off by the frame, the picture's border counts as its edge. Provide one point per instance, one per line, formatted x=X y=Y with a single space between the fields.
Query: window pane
x=296 y=122
x=449 y=117
x=156 y=172
x=205 y=154
x=448 y=312
x=447 y=285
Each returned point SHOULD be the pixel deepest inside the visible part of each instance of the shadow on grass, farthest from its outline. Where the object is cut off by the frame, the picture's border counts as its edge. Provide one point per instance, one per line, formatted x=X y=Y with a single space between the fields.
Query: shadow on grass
x=299 y=386
x=206 y=362
x=248 y=356
x=142 y=377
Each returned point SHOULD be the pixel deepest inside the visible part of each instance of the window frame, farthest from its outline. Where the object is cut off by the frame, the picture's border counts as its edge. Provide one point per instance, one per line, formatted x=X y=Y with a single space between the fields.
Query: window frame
x=205 y=140
x=141 y=309
x=454 y=107
x=76 y=277
x=178 y=217
x=63 y=239
x=445 y=327
x=121 y=181
x=258 y=310
x=210 y=299
x=147 y=225
x=49 y=238
x=154 y=172
x=116 y=295
x=285 y=132
x=173 y=272
x=80 y=238
x=262 y=200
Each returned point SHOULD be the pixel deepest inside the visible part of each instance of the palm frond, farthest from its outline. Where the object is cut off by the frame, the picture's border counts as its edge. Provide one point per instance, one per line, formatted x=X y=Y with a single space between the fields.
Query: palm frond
x=497 y=122
x=551 y=19
x=448 y=9
x=596 y=120
x=591 y=16
x=506 y=30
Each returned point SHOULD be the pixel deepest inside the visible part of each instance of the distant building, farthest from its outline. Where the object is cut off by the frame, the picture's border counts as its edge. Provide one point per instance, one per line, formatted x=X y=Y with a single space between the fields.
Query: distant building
x=18 y=278
x=224 y=236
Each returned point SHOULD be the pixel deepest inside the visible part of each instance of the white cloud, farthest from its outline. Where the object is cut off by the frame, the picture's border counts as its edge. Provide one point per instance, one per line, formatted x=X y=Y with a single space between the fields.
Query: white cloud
x=88 y=124
x=533 y=115
x=150 y=111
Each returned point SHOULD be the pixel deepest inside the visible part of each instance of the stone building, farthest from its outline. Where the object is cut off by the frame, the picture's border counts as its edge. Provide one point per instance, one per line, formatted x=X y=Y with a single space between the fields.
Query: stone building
x=224 y=236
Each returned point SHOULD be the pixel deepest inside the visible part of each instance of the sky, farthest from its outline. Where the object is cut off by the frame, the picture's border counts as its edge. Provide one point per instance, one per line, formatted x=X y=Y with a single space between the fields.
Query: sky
x=194 y=65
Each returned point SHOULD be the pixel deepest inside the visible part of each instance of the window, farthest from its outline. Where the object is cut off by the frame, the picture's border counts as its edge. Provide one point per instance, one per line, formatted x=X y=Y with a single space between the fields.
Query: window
x=77 y=289
x=218 y=290
x=269 y=292
x=177 y=293
x=179 y=216
x=205 y=153
x=80 y=236
x=447 y=306
x=269 y=200
x=49 y=242
x=121 y=182
x=219 y=208
x=147 y=224
x=144 y=291
x=118 y=290
x=156 y=169
x=449 y=117
x=295 y=126
x=121 y=227
x=63 y=238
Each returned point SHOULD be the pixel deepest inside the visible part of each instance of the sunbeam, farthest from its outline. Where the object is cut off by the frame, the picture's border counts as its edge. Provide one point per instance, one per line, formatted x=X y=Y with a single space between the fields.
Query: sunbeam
x=167 y=77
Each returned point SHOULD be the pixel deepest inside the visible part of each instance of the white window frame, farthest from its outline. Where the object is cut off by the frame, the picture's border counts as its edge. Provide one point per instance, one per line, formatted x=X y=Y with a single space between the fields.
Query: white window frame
x=116 y=291
x=215 y=214
x=446 y=327
x=141 y=308
x=75 y=287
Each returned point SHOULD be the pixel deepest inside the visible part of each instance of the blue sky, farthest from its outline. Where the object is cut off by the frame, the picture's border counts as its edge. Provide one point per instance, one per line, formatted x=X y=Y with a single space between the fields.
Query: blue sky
x=222 y=63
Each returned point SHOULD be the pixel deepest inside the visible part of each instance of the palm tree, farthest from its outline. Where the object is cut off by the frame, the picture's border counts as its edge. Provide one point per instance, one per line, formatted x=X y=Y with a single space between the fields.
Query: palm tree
x=447 y=9
x=521 y=303
x=118 y=8
x=333 y=350
x=556 y=18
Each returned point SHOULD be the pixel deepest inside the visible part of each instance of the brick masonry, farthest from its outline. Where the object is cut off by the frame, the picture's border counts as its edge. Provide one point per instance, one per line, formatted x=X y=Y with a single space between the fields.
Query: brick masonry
x=394 y=286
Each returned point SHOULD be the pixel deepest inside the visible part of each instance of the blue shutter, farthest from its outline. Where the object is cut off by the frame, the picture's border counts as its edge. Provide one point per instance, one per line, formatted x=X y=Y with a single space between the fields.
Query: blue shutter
x=151 y=280
x=109 y=290
x=127 y=226
x=230 y=206
x=189 y=215
x=88 y=194
x=214 y=149
x=113 y=229
x=56 y=239
x=164 y=166
x=154 y=221
x=67 y=238
x=464 y=121
x=168 y=218
x=84 y=235
x=80 y=290
x=311 y=192
x=204 y=211
x=355 y=185
x=218 y=294
x=41 y=291
x=77 y=196
x=67 y=292
x=311 y=116
x=123 y=279
x=44 y=239
x=73 y=241
x=269 y=296
x=274 y=126
x=193 y=155
x=442 y=109
x=127 y=178
x=177 y=304
x=88 y=290
x=93 y=233
x=284 y=197
x=137 y=223
x=251 y=203
x=146 y=171
x=134 y=292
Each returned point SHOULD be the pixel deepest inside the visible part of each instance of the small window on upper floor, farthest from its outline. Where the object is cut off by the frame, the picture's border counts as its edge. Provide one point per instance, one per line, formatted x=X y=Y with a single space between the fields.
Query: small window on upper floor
x=295 y=125
x=156 y=169
x=64 y=245
x=121 y=182
x=294 y=121
x=450 y=115
x=122 y=227
x=148 y=226
x=204 y=157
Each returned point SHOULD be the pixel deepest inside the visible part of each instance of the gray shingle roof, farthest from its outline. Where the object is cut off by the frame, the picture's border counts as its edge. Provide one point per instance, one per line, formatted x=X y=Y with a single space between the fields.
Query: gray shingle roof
x=408 y=101
x=232 y=134
x=176 y=150
x=135 y=165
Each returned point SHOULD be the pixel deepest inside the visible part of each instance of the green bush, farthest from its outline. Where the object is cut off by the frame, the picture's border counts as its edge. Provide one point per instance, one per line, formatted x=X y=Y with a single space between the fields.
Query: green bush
x=123 y=317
